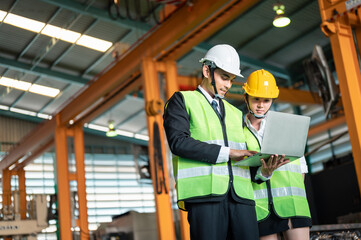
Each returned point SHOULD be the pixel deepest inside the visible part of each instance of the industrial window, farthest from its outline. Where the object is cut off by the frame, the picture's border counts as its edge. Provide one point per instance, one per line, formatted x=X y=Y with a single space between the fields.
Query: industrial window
x=112 y=185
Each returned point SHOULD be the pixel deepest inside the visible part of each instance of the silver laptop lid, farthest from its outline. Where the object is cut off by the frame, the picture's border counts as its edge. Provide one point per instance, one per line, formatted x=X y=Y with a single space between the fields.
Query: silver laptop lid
x=286 y=134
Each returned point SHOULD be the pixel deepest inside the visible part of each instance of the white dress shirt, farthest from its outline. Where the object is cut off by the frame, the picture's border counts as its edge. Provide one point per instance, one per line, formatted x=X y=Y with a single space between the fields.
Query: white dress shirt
x=224 y=152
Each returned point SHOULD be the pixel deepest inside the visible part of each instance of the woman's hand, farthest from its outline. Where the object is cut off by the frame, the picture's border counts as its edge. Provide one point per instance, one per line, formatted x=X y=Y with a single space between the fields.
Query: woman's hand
x=272 y=164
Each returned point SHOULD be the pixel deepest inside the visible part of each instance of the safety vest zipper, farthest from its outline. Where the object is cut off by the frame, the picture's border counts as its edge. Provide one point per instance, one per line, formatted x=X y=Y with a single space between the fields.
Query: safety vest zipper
x=224 y=131
x=269 y=193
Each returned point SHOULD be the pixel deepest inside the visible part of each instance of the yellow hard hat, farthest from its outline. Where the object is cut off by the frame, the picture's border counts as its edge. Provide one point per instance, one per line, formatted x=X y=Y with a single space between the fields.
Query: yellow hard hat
x=261 y=83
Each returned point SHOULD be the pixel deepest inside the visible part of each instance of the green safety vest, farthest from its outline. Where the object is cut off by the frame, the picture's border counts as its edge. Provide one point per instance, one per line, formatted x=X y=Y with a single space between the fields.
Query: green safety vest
x=196 y=179
x=287 y=189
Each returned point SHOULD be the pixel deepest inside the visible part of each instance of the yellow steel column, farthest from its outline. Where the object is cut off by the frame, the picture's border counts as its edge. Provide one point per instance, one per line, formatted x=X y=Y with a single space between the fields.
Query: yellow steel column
x=159 y=172
x=63 y=188
x=348 y=72
x=172 y=86
x=80 y=176
x=22 y=190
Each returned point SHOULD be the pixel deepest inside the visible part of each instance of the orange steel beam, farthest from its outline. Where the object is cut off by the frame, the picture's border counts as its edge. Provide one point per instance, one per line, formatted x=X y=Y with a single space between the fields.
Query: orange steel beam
x=6 y=197
x=171 y=76
x=165 y=223
x=227 y=14
x=161 y=38
x=289 y=95
x=22 y=191
x=328 y=8
x=172 y=86
x=188 y=83
x=358 y=34
x=339 y=31
x=80 y=177
x=293 y=96
x=6 y=184
x=297 y=97
x=326 y=125
x=62 y=183
x=29 y=143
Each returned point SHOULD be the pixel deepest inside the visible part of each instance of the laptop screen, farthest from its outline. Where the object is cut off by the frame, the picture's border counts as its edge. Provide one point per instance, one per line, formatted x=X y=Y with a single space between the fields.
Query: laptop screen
x=285 y=133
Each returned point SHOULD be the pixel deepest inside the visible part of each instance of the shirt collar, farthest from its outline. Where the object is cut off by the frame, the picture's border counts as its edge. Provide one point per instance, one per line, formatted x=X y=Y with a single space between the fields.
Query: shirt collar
x=206 y=94
x=261 y=129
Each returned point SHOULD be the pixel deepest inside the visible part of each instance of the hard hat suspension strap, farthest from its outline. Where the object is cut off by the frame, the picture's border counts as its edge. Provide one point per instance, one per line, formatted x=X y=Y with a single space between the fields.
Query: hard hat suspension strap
x=212 y=67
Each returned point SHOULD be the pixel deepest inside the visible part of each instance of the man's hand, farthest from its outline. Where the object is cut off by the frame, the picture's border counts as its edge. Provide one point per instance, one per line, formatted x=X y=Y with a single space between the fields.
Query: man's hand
x=238 y=155
x=272 y=164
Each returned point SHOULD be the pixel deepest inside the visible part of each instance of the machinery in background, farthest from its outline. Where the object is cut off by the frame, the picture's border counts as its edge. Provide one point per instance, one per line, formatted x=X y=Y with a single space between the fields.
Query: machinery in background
x=141 y=162
x=129 y=226
x=351 y=231
x=13 y=226
x=321 y=81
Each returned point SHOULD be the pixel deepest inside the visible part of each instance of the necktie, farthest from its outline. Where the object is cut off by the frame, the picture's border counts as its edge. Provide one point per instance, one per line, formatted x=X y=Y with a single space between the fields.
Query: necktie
x=214 y=106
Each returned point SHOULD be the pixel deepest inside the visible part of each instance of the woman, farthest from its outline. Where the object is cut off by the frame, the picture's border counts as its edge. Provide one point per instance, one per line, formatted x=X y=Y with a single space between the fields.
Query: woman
x=281 y=202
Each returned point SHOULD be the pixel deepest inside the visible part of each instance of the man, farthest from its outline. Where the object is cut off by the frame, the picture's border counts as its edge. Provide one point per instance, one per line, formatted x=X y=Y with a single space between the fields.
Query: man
x=205 y=134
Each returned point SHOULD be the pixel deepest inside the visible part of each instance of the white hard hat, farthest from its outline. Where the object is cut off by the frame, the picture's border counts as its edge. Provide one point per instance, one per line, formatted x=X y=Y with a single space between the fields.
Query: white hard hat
x=224 y=57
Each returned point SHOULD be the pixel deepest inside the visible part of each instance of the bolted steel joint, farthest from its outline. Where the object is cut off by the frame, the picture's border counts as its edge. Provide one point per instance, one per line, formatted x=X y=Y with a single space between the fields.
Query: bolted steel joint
x=154 y=107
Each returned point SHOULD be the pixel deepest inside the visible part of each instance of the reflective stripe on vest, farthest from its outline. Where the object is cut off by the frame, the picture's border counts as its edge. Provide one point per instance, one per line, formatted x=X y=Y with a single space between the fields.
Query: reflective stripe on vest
x=202 y=171
x=201 y=179
x=288 y=191
x=289 y=167
x=207 y=170
x=241 y=172
x=232 y=145
x=280 y=192
x=260 y=194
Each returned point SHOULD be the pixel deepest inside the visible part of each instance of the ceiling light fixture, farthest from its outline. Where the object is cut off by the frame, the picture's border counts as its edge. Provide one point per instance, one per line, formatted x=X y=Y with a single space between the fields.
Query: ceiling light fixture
x=20 y=85
x=280 y=19
x=24 y=23
x=111 y=129
x=26 y=86
x=60 y=33
x=142 y=137
x=2 y=15
x=94 y=43
x=55 y=32
x=125 y=133
x=43 y=90
x=22 y=111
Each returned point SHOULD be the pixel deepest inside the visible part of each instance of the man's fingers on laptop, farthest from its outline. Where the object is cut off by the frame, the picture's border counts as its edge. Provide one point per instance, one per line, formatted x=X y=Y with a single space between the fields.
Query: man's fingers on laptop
x=238 y=155
x=246 y=153
x=251 y=153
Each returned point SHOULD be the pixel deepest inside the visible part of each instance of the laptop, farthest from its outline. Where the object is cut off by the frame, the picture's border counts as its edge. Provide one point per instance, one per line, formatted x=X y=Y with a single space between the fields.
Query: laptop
x=285 y=133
